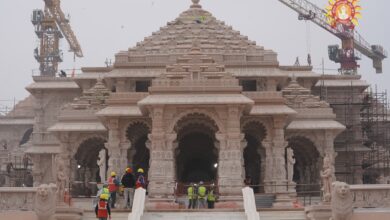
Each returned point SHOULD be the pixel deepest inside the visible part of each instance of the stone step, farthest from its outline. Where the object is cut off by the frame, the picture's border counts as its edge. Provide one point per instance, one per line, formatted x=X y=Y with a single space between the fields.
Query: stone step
x=206 y=215
x=264 y=201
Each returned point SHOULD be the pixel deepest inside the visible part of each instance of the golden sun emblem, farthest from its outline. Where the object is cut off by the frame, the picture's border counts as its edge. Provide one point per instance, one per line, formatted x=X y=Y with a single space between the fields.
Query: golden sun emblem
x=345 y=12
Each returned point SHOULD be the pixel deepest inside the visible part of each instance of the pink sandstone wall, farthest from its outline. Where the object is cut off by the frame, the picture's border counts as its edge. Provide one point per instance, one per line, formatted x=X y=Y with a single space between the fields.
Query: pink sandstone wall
x=18 y=215
x=372 y=216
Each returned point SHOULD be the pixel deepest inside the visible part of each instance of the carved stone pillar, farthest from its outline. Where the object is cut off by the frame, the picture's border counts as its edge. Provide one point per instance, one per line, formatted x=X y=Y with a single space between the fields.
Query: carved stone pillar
x=161 y=174
x=231 y=161
x=268 y=168
x=329 y=149
x=279 y=174
x=36 y=169
x=114 y=150
x=124 y=160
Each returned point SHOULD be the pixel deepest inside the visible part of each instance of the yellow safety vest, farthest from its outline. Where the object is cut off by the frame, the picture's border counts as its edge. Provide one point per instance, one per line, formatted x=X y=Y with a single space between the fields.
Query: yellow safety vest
x=210 y=196
x=190 y=192
x=202 y=192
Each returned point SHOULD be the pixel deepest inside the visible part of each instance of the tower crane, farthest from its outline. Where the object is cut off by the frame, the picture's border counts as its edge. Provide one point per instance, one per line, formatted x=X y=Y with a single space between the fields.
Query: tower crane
x=350 y=39
x=50 y=26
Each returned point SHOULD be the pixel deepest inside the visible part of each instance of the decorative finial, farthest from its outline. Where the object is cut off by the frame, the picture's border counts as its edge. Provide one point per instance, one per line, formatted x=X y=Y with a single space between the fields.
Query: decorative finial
x=195 y=4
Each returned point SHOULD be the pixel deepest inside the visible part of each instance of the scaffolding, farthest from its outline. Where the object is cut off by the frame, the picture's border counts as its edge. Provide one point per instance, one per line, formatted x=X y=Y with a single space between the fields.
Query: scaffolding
x=376 y=130
x=6 y=106
x=364 y=147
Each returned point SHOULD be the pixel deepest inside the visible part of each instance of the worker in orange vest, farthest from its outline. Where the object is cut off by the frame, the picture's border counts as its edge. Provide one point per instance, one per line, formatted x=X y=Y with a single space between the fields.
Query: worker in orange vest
x=113 y=185
x=102 y=209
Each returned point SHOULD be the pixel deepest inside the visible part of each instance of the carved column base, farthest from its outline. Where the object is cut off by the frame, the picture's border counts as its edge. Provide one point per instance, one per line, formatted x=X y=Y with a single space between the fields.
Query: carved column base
x=230 y=187
x=283 y=200
x=161 y=190
x=292 y=189
x=318 y=212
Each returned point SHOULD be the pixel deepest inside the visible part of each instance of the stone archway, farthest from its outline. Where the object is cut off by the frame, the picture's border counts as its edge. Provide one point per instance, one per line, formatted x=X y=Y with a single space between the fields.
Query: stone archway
x=86 y=173
x=308 y=163
x=254 y=154
x=196 y=153
x=138 y=155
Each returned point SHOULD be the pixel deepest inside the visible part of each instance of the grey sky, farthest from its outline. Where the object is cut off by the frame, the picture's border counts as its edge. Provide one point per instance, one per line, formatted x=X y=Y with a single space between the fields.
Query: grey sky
x=104 y=27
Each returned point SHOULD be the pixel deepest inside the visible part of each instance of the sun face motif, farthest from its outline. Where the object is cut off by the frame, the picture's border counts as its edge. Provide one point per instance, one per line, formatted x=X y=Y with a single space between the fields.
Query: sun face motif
x=344 y=12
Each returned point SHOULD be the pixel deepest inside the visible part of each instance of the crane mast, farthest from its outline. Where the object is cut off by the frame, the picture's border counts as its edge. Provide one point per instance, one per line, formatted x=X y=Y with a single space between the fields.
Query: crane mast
x=50 y=26
x=351 y=39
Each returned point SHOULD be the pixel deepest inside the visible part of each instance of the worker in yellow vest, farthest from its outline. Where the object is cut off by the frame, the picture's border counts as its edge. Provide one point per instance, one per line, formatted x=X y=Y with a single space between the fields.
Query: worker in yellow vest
x=202 y=193
x=211 y=197
x=192 y=196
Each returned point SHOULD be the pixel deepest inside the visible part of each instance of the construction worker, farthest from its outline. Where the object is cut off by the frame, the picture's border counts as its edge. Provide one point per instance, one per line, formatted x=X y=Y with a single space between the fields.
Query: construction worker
x=192 y=196
x=113 y=185
x=102 y=209
x=211 y=197
x=141 y=182
x=202 y=195
x=103 y=190
x=128 y=182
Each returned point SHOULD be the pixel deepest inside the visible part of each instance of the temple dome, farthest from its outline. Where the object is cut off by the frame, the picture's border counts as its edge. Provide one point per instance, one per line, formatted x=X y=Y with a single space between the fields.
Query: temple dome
x=216 y=39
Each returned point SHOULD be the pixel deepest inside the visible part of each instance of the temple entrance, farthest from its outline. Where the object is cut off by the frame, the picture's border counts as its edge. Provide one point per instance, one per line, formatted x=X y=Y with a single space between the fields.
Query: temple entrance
x=196 y=154
x=308 y=164
x=138 y=155
x=254 y=154
x=86 y=174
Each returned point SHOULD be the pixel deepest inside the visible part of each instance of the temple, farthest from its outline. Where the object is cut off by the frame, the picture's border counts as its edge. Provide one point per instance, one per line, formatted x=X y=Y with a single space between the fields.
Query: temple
x=195 y=101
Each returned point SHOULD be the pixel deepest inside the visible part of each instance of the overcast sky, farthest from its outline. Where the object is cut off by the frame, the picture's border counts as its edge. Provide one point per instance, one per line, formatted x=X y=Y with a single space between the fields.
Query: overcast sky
x=104 y=27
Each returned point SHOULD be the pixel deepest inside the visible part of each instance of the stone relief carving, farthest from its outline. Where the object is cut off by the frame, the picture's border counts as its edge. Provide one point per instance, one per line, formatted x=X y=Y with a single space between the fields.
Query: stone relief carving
x=327 y=179
x=45 y=201
x=342 y=201
x=290 y=164
x=61 y=177
x=102 y=163
x=10 y=199
x=371 y=197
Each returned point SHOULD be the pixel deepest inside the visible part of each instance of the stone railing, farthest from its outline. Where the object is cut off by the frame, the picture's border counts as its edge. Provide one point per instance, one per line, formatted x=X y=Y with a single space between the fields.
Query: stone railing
x=371 y=196
x=17 y=198
x=195 y=83
x=126 y=97
x=263 y=95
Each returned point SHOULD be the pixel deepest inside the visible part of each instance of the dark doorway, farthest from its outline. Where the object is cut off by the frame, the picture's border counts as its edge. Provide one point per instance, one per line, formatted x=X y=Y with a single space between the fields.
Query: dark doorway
x=196 y=158
x=138 y=155
x=252 y=163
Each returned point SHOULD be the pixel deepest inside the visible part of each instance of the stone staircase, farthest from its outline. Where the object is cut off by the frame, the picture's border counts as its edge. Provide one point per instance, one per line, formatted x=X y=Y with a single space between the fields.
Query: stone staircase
x=204 y=215
x=264 y=201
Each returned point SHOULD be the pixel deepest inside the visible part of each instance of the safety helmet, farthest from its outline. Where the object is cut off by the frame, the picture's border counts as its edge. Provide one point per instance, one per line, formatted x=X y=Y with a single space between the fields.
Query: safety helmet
x=201 y=182
x=140 y=170
x=113 y=173
x=129 y=170
x=103 y=196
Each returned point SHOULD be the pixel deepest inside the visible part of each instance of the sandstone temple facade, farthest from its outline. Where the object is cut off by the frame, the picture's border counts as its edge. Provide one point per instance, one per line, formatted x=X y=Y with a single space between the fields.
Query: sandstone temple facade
x=194 y=101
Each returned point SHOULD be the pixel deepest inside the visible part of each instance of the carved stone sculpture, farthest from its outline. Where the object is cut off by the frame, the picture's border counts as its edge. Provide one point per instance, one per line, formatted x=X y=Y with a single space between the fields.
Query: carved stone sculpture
x=45 y=201
x=102 y=165
x=327 y=179
x=342 y=201
x=61 y=178
x=290 y=164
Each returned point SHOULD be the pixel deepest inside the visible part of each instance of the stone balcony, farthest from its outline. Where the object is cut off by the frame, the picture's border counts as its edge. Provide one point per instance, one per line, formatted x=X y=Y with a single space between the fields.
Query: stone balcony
x=119 y=98
x=183 y=85
x=265 y=96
